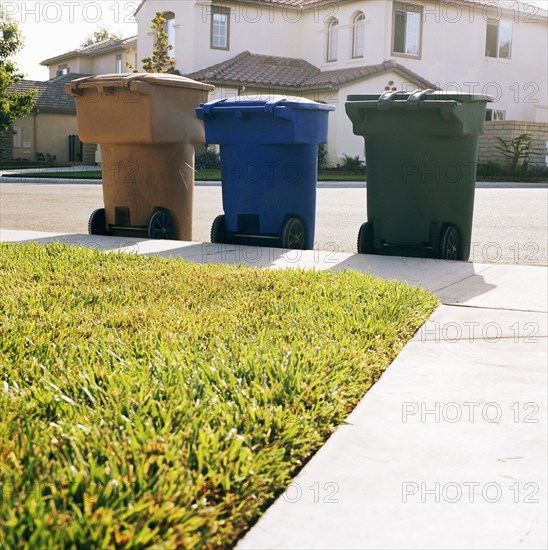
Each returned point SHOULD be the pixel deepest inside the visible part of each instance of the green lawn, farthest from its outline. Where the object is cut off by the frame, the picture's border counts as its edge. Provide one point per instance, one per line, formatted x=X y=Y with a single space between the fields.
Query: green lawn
x=72 y=174
x=14 y=165
x=201 y=175
x=152 y=402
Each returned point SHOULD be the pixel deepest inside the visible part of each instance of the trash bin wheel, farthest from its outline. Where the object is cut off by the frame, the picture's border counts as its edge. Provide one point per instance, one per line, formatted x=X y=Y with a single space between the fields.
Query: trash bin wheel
x=161 y=226
x=365 y=239
x=292 y=235
x=218 y=230
x=449 y=243
x=97 y=224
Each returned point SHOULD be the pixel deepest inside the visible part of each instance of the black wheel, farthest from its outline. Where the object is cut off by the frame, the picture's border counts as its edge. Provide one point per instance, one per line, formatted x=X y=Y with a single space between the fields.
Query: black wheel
x=161 y=226
x=218 y=230
x=292 y=235
x=449 y=243
x=97 y=224
x=365 y=239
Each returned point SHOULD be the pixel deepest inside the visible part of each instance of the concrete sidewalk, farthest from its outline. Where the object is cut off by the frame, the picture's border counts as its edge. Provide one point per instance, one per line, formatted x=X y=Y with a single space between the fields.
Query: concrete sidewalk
x=449 y=448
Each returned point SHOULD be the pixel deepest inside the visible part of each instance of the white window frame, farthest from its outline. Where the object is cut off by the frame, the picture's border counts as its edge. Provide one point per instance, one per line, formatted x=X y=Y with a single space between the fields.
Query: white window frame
x=220 y=28
x=169 y=28
x=358 y=36
x=119 y=67
x=495 y=27
x=332 y=40
x=412 y=38
x=495 y=115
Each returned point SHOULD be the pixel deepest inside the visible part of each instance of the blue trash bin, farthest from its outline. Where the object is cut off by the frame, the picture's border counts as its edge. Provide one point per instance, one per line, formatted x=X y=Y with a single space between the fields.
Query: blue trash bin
x=269 y=159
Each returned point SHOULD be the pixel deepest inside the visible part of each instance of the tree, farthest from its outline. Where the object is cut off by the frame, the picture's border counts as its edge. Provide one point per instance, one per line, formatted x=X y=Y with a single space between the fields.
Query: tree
x=13 y=105
x=100 y=35
x=160 y=62
x=517 y=151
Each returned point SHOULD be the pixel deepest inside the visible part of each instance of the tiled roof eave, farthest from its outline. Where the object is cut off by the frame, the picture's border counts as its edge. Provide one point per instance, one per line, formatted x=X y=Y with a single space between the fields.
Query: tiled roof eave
x=271 y=85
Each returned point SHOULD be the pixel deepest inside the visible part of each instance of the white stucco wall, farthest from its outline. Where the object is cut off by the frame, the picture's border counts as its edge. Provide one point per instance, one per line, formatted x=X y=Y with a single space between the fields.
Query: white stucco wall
x=260 y=29
x=452 y=50
x=100 y=64
x=79 y=65
x=106 y=63
x=453 y=56
x=312 y=40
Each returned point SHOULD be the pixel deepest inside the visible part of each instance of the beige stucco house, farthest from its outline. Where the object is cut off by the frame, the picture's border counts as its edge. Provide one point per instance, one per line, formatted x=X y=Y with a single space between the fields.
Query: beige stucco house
x=49 y=133
x=328 y=49
x=109 y=56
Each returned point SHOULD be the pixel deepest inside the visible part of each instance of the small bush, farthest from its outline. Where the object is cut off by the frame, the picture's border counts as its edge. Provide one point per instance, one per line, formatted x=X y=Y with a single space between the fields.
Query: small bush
x=489 y=169
x=322 y=156
x=353 y=164
x=208 y=160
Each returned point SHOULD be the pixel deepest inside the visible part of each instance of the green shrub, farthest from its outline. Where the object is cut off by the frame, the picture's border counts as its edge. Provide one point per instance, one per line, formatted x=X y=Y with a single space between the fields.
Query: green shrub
x=352 y=164
x=208 y=160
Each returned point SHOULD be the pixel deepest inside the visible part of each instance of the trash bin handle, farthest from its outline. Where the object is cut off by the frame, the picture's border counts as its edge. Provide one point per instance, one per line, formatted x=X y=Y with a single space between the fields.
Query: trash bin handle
x=208 y=107
x=416 y=96
x=269 y=106
x=390 y=96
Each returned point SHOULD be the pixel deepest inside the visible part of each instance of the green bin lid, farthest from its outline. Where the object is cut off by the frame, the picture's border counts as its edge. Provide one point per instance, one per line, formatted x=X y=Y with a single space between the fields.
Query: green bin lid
x=418 y=96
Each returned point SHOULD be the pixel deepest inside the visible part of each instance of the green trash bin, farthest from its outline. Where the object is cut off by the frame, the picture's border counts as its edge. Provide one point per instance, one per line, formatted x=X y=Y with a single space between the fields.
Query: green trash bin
x=421 y=152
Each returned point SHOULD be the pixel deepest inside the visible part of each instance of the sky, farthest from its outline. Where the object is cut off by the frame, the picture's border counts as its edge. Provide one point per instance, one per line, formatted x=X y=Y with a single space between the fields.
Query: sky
x=54 y=27
x=51 y=28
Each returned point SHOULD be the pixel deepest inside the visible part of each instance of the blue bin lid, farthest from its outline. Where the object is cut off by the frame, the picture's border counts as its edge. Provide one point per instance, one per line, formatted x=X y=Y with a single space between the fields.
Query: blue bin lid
x=264 y=103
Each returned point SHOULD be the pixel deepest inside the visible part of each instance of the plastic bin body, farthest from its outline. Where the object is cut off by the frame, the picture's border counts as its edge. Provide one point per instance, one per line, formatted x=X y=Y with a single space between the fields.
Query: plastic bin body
x=269 y=156
x=146 y=127
x=421 y=153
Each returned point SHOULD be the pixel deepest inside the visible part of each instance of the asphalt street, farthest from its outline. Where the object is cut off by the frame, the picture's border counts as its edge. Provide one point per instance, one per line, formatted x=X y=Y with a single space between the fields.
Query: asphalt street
x=510 y=225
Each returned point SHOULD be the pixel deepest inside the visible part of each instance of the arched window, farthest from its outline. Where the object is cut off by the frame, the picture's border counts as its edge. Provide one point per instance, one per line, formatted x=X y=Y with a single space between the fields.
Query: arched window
x=169 y=28
x=358 y=28
x=332 y=39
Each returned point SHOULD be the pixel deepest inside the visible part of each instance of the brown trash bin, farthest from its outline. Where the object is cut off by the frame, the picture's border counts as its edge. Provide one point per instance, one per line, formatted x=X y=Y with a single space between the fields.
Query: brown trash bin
x=146 y=126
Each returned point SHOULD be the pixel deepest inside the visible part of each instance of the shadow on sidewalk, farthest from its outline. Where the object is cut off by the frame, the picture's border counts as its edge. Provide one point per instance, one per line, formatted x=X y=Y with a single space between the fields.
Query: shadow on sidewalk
x=438 y=276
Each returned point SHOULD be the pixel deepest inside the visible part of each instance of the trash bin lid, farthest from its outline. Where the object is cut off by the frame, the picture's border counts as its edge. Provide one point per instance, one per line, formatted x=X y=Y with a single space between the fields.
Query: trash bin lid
x=124 y=80
x=418 y=96
x=266 y=103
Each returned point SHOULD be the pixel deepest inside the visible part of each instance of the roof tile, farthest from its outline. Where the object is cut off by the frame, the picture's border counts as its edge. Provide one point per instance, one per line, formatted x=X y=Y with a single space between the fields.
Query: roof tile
x=289 y=72
x=51 y=93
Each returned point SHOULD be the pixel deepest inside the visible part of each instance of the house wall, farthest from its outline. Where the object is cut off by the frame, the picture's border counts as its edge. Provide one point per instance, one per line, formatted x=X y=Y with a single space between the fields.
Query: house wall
x=105 y=64
x=52 y=131
x=23 y=141
x=45 y=133
x=79 y=65
x=100 y=64
x=453 y=57
x=89 y=151
x=6 y=145
x=452 y=50
x=508 y=130
x=258 y=28
x=312 y=37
